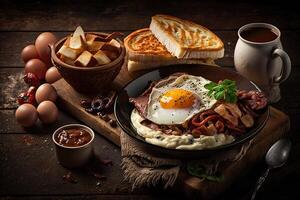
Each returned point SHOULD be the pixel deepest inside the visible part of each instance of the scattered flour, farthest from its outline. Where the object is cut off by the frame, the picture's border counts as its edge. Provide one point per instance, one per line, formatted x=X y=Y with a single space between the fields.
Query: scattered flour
x=11 y=88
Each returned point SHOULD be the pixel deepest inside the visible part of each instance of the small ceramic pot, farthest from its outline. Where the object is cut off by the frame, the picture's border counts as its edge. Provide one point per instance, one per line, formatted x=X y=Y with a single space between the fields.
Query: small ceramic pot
x=73 y=157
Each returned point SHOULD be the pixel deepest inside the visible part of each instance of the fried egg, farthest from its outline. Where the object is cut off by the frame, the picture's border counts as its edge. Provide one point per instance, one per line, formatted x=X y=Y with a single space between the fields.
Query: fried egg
x=177 y=99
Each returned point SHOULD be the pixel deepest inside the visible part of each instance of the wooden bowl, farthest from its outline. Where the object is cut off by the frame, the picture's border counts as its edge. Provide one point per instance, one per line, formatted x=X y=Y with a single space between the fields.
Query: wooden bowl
x=88 y=79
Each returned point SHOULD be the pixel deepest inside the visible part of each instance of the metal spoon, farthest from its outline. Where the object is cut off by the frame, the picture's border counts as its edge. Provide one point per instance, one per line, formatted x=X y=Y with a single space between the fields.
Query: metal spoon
x=276 y=156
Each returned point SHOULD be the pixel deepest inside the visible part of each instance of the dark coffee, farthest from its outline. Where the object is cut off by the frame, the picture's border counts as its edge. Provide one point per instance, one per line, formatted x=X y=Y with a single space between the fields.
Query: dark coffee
x=259 y=34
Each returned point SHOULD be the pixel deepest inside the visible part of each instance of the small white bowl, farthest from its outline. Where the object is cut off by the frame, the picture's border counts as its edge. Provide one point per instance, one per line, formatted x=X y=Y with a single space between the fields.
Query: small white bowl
x=73 y=157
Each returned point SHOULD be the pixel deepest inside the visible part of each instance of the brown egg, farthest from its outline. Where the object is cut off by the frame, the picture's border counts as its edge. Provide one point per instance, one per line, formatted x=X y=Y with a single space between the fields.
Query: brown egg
x=41 y=45
x=29 y=52
x=52 y=75
x=45 y=92
x=37 y=67
x=47 y=112
x=26 y=115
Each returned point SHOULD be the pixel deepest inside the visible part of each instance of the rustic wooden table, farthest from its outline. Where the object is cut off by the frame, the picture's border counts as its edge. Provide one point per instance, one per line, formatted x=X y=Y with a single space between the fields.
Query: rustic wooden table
x=28 y=166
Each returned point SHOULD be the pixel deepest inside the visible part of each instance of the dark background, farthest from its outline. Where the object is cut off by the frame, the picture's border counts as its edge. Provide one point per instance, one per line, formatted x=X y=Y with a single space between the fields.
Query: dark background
x=28 y=166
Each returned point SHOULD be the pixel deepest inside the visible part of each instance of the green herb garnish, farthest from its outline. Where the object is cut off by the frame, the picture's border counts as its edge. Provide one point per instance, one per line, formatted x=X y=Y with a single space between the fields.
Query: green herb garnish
x=195 y=168
x=225 y=90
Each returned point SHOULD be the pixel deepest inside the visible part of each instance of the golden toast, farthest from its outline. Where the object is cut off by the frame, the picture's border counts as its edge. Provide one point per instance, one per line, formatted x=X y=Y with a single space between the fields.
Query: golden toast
x=185 y=39
x=144 y=51
x=142 y=44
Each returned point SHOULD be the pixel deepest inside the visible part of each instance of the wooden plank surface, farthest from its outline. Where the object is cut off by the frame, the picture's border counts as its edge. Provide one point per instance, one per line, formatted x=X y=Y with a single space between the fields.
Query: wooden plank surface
x=21 y=22
x=37 y=157
x=130 y=15
x=86 y=197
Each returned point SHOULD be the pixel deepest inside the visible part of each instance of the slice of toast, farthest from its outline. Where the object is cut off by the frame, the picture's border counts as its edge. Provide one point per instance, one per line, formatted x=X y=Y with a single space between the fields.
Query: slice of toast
x=144 y=52
x=134 y=66
x=142 y=45
x=185 y=39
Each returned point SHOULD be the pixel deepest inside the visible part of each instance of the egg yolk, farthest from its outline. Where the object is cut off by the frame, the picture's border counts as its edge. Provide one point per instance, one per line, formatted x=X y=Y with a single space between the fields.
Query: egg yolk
x=177 y=98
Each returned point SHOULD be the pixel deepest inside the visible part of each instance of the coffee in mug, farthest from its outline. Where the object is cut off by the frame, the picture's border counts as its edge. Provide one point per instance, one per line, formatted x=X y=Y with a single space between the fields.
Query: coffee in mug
x=259 y=56
x=259 y=34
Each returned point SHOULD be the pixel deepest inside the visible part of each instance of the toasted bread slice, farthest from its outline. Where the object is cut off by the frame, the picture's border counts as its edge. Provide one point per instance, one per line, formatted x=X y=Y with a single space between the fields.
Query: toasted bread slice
x=69 y=52
x=185 y=39
x=85 y=59
x=142 y=45
x=79 y=32
x=144 y=52
x=134 y=66
x=101 y=58
x=66 y=60
x=76 y=42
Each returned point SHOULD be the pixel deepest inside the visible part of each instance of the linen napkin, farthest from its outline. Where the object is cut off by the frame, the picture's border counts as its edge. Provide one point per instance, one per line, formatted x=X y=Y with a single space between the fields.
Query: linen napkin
x=146 y=169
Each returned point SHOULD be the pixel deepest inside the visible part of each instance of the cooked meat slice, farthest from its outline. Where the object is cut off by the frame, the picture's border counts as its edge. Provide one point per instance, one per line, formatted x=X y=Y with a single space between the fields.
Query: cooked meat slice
x=151 y=125
x=254 y=99
x=211 y=129
x=247 y=120
x=206 y=113
x=201 y=130
x=233 y=109
x=246 y=110
x=220 y=126
x=169 y=130
x=221 y=110
x=140 y=103
x=235 y=129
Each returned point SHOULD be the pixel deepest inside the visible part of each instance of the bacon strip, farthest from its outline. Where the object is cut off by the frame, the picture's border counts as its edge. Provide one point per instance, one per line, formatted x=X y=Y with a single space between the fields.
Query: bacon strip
x=203 y=122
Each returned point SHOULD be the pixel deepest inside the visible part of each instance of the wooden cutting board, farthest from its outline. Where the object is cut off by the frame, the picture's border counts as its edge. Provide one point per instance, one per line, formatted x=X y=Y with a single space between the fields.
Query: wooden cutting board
x=276 y=127
x=69 y=100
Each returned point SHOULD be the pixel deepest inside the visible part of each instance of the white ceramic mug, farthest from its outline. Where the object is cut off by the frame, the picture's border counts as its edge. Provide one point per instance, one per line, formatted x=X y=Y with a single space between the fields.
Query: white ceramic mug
x=264 y=63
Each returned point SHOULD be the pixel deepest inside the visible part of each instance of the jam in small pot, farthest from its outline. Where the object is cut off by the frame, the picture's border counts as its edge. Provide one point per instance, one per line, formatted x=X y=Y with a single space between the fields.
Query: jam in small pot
x=73 y=137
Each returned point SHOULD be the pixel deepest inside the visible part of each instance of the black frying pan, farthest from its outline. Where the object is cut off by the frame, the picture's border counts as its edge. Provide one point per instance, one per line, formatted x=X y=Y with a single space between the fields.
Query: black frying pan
x=123 y=107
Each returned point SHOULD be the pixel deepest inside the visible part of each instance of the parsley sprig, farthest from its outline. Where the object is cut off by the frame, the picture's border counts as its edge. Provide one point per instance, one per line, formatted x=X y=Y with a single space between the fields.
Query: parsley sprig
x=195 y=168
x=225 y=90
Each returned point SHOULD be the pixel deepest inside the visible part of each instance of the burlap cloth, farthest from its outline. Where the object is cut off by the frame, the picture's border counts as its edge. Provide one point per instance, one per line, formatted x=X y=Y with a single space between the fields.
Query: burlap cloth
x=145 y=169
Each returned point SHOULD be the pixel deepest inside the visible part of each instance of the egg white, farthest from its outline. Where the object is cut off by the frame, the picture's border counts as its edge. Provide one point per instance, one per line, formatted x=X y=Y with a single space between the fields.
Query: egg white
x=195 y=84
